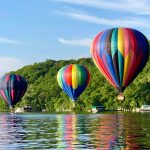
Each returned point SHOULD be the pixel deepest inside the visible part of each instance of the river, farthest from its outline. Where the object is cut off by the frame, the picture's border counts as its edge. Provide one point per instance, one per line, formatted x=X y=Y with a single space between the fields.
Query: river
x=104 y=131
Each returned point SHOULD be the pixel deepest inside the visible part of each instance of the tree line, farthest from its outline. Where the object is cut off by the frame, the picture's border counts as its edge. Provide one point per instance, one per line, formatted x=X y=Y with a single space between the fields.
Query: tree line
x=44 y=92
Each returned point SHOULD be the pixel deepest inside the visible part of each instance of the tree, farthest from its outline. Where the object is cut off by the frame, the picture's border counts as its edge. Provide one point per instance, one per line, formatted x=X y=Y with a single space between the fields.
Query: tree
x=44 y=93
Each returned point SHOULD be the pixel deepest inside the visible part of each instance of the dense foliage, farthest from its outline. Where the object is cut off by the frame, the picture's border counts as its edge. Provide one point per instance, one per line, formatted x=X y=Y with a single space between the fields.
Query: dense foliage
x=44 y=93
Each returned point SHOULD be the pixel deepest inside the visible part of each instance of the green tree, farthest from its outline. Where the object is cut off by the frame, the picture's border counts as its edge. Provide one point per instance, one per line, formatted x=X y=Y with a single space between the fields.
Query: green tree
x=44 y=92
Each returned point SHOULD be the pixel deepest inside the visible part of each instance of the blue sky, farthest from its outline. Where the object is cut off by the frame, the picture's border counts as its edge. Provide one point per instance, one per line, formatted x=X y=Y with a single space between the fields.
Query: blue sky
x=35 y=30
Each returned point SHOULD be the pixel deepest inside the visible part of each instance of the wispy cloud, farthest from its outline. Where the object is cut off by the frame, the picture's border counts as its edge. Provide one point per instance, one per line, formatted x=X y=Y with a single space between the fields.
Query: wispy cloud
x=4 y=40
x=133 y=6
x=76 y=42
x=128 y=22
x=8 y=64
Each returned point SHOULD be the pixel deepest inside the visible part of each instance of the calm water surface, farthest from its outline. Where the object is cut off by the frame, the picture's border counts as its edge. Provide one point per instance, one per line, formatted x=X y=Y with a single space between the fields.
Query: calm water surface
x=116 y=131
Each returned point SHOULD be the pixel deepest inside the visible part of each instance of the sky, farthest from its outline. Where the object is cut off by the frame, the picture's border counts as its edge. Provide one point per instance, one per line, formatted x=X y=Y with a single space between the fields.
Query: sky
x=33 y=31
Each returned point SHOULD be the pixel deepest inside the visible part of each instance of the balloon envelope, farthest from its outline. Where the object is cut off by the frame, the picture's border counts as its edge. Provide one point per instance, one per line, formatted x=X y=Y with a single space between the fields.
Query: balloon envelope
x=120 y=54
x=73 y=79
x=12 y=88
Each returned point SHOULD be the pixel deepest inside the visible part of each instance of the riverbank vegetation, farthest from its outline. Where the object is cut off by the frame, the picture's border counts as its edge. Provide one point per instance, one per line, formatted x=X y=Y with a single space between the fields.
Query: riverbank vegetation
x=44 y=93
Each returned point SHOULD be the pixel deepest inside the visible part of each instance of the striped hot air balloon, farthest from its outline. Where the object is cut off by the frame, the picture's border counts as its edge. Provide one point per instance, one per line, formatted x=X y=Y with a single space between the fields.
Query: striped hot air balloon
x=73 y=79
x=12 y=88
x=120 y=54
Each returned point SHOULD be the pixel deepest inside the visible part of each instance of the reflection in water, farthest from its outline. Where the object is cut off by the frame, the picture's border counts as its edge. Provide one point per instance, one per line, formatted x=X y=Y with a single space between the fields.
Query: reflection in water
x=67 y=131
x=100 y=133
x=137 y=131
x=70 y=131
x=11 y=131
x=107 y=133
x=115 y=131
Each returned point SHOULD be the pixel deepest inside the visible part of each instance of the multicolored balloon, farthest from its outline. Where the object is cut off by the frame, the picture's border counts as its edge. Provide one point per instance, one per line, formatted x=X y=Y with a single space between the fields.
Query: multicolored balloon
x=73 y=79
x=120 y=54
x=12 y=88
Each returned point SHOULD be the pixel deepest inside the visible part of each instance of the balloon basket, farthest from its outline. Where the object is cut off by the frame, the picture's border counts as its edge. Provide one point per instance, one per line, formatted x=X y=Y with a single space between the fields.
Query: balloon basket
x=12 y=110
x=73 y=104
x=121 y=97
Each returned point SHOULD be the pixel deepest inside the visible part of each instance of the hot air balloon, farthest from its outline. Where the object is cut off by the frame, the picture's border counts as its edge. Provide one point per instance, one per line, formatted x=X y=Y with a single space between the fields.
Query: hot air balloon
x=12 y=89
x=120 y=54
x=73 y=79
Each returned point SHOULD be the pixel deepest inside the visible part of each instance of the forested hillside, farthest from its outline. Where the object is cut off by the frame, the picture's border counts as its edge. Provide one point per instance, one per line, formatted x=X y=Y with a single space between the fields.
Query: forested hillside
x=44 y=93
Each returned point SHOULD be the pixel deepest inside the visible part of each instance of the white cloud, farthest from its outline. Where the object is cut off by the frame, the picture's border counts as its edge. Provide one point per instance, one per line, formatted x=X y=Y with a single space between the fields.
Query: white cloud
x=4 y=40
x=128 y=22
x=133 y=6
x=76 y=42
x=8 y=64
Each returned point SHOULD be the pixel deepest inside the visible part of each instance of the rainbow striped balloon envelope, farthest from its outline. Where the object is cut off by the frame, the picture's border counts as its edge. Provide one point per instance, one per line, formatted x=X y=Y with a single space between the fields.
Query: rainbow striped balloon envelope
x=12 y=88
x=120 y=54
x=73 y=79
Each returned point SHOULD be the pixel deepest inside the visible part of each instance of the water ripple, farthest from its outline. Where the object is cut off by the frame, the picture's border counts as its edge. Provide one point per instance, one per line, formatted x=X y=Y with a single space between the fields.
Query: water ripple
x=128 y=131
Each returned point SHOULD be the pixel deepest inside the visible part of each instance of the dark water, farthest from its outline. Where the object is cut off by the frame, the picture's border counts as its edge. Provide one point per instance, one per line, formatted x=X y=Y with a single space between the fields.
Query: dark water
x=124 y=131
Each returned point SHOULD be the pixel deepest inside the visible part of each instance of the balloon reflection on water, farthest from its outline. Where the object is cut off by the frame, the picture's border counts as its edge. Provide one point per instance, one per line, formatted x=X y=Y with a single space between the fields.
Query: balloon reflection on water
x=120 y=132
x=11 y=129
x=101 y=132
x=75 y=131
x=107 y=132
x=67 y=131
x=137 y=131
